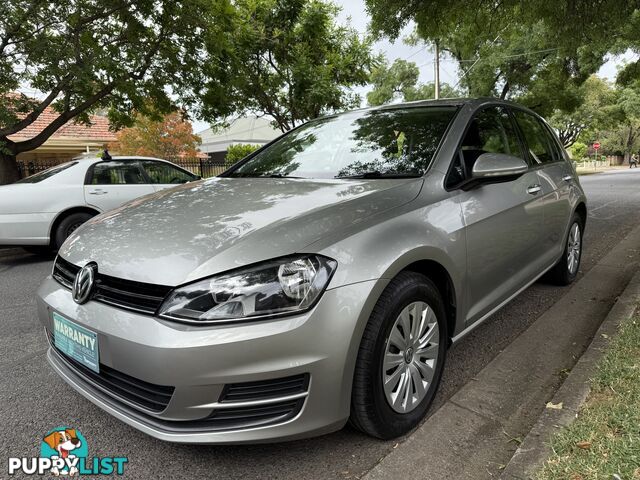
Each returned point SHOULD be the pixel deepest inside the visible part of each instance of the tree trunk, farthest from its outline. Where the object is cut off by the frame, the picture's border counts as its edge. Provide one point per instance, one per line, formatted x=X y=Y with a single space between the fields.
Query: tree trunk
x=8 y=169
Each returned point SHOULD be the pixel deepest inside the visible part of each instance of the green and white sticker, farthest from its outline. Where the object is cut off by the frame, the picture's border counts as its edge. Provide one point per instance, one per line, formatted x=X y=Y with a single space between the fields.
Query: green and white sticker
x=76 y=342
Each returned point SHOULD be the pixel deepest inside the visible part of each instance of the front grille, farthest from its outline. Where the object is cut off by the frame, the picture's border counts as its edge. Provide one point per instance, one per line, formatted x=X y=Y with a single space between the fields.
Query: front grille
x=147 y=395
x=129 y=294
x=265 y=389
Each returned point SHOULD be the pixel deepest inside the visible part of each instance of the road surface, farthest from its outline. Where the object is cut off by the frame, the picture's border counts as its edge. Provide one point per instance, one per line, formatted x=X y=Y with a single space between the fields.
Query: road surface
x=33 y=399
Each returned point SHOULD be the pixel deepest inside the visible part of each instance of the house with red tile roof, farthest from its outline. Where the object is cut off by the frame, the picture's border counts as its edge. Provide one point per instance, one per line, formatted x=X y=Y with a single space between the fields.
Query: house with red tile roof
x=69 y=141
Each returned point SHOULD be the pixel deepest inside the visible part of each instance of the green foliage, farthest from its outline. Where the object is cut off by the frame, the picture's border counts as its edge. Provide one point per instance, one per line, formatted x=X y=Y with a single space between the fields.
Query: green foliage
x=238 y=151
x=624 y=135
x=536 y=52
x=400 y=81
x=291 y=61
x=578 y=151
x=112 y=55
x=597 y=111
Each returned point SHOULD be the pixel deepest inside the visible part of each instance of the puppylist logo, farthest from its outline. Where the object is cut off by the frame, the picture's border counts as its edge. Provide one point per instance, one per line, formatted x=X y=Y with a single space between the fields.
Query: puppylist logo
x=64 y=451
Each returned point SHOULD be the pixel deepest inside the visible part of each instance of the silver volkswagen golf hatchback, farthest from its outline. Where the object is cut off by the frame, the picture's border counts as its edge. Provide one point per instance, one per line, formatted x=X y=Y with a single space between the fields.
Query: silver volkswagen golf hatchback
x=318 y=281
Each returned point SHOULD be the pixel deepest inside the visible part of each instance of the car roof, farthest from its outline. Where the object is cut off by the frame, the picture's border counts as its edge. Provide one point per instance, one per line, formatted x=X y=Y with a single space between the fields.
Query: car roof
x=93 y=158
x=442 y=102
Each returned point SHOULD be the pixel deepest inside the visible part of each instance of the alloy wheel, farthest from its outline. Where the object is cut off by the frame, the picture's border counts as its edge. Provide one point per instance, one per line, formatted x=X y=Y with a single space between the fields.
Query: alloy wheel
x=411 y=355
x=573 y=248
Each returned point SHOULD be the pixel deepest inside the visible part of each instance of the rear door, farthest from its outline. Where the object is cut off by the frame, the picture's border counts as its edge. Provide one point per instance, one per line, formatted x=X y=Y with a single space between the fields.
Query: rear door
x=556 y=177
x=165 y=175
x=503 y=220
x=110 y=184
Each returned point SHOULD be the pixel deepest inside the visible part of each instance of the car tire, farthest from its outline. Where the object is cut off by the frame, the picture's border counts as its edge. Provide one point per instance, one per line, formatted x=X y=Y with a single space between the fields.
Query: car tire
x=567 y=268
x=67 y=226
x=372 y=411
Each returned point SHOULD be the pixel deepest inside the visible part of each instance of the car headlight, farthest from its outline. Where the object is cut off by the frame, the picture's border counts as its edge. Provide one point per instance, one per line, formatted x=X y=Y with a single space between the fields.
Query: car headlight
x=281 y=286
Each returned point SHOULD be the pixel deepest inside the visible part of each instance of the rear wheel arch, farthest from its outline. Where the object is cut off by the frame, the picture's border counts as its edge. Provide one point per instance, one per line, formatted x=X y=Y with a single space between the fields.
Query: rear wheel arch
x=64 y=214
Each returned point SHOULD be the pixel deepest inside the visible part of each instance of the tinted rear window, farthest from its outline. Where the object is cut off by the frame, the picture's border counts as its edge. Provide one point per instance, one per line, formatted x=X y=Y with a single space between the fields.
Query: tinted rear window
x=38 y=177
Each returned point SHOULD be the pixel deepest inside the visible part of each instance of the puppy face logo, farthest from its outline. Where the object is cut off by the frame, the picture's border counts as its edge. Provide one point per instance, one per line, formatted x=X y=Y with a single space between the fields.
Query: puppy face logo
x=63 y=441
x=65 y=446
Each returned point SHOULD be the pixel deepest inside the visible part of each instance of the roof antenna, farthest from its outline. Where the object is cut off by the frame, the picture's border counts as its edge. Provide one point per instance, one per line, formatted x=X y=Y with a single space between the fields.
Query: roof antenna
x=105 y=155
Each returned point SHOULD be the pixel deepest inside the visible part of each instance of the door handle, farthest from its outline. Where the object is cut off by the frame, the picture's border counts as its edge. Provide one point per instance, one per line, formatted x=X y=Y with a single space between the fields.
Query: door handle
x=567 y=178
x=534 y=189
x=97 y=192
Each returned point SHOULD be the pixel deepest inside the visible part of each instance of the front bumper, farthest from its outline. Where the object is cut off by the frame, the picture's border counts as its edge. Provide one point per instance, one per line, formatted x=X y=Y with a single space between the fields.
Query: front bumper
x=199 y=361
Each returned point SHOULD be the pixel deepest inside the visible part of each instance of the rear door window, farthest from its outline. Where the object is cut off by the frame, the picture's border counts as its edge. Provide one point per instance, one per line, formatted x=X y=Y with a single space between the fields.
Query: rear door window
x=537 y=138
x=117 y=173
x=163 y=173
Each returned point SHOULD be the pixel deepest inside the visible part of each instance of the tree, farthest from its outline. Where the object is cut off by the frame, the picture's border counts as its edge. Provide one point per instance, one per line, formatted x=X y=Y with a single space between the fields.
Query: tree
x=400 y=81
x=238 y=151
x=578 y=151
x=597 y=111
x=115 y=55
x=167 y=138
x=538 y=52
x=626 y=136
x=291 y=61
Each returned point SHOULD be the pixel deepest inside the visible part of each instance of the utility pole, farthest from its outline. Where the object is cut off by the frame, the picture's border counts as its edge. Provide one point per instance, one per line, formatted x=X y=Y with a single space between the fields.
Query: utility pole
x=437 y=71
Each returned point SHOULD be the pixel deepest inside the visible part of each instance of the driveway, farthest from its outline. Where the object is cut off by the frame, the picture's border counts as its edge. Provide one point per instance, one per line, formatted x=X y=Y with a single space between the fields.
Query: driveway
x=34 y=400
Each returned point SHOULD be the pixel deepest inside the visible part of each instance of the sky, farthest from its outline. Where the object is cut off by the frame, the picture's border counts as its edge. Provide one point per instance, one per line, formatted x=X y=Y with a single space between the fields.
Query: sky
x=353 y=12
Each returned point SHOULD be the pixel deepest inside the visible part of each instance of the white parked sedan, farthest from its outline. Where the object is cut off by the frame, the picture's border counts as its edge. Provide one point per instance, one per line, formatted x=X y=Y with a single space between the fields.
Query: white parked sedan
x=44 y=209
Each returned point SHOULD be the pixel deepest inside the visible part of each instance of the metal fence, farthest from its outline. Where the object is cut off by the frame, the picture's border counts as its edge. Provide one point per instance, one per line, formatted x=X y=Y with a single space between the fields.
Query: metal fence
x=26 y=169
x=203 y=167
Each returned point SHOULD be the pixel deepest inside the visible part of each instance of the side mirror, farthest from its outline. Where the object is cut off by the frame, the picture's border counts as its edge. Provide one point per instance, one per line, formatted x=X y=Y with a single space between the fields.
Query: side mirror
x=498 y=167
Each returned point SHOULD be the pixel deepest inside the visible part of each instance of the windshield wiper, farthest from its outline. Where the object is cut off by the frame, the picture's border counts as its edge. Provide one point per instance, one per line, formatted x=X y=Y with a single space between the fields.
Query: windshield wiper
x=279 y=175
x=256 y=175
x=377 y=174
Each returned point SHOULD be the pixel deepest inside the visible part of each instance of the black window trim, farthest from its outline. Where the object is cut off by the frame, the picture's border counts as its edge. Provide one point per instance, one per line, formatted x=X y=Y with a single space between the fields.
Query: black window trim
x=474 y=113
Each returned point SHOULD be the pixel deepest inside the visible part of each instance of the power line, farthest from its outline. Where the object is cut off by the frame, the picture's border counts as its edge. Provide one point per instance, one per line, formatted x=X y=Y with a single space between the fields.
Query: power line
x=516 y=54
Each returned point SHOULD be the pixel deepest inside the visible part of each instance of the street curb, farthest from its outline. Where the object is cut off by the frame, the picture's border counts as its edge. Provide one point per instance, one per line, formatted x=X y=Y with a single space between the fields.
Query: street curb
x=534 y=450
x=9 y=252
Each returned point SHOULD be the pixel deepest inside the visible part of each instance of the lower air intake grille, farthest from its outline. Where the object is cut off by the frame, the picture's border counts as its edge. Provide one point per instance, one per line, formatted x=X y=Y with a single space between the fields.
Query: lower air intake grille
x=265 y=389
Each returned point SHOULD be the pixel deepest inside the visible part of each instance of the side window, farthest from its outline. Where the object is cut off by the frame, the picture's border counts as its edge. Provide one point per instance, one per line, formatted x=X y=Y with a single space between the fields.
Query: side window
x=490 y=131
x=117 y=173
x=163 y=173
x=536 y=136
x=558 y=149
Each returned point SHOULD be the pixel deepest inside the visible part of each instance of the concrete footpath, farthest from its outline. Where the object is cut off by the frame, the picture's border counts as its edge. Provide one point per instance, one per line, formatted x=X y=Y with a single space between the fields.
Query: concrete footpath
x=476 y=432
x=534 y=450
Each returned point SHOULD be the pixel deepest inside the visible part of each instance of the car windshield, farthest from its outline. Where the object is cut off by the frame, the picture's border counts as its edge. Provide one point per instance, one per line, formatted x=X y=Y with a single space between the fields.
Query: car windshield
x=372 y=144
x=40 y=176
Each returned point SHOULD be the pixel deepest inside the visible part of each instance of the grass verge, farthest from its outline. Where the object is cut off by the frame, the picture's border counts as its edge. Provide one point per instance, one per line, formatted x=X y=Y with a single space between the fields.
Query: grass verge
x=604 y=441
